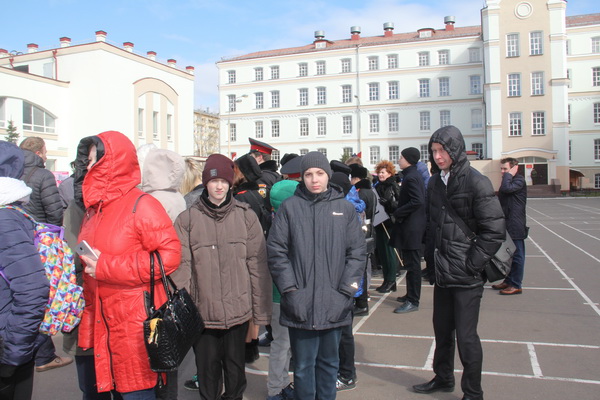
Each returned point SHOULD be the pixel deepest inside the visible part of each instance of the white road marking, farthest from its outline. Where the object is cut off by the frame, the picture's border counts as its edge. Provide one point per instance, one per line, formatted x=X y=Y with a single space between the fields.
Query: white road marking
x=535 y=365
x=580 y=231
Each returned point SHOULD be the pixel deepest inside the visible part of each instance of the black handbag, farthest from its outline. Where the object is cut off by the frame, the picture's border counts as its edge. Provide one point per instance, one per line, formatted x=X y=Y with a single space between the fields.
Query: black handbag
x=498 y=267
x=171 y=330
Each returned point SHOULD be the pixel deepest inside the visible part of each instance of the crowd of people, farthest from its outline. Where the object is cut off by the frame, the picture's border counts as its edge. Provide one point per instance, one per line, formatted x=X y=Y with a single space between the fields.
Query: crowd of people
x=291 y=248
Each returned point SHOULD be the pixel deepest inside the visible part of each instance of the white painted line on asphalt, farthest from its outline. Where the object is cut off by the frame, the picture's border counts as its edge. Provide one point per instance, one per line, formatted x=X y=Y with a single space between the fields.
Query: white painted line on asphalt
x=539 y=212
x=376 y=306
x=535 y=365
x=429 y=361
x=542 y=288
x=586 y=209
x=580 y=231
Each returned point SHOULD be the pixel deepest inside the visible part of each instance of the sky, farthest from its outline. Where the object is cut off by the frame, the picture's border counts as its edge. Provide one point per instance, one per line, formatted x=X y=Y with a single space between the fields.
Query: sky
x=201 y=32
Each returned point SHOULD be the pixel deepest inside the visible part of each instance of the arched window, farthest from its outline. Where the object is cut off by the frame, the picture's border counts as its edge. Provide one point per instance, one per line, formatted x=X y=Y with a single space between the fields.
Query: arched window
x=37 y=120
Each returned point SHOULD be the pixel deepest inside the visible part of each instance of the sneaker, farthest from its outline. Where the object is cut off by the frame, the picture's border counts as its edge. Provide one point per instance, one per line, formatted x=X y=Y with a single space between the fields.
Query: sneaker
x=192 y=384
x=345 y=384
x=56 y=363
x=286 y=394
x=265 y=339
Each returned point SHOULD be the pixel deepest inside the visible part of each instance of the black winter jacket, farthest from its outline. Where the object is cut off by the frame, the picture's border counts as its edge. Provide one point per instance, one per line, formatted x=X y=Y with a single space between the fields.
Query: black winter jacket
x=366 y=194
x=409 y=227
x=513 y=198
x=389 y=192
x=44 y=204
x=317 y=255
x=458 y=261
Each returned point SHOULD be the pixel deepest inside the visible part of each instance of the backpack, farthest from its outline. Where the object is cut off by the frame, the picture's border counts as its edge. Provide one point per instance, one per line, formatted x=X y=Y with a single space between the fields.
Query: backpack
x=65 y=303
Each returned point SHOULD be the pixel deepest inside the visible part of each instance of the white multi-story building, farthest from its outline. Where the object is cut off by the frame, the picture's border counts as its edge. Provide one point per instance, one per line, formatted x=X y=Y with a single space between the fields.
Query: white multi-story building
x=504 y=84
x=74 y=91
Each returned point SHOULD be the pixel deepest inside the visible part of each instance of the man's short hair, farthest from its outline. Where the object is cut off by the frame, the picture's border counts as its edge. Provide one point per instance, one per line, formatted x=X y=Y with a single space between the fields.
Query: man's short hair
x=265 y=156
x=33 y=143
x=510 y=160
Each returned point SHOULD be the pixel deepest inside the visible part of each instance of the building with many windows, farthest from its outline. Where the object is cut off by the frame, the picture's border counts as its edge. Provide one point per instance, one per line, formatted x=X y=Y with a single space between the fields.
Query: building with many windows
x=206 y=133
x=73 y=91
x=510 y=85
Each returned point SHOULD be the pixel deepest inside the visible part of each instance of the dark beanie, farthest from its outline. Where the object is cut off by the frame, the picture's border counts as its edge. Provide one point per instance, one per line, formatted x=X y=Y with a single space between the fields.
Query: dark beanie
x=341 y=179
x=411 y=155
x=356 y=171
x=315 y=159
x=217 y=166
x=338 y=166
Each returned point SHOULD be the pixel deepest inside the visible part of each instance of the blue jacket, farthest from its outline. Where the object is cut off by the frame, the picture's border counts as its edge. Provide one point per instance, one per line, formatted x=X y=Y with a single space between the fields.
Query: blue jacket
x=513 y=199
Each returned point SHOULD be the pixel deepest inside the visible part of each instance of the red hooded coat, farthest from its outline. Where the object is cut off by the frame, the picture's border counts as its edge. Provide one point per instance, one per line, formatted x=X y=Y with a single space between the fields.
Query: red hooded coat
x=113 y=318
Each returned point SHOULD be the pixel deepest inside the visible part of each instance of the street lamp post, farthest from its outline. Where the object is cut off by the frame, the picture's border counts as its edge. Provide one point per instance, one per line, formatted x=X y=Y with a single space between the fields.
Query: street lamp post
x=236 y=100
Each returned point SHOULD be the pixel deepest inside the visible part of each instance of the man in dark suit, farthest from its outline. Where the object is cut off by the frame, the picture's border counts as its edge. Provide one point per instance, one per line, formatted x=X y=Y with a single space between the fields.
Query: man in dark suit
x=410 y=227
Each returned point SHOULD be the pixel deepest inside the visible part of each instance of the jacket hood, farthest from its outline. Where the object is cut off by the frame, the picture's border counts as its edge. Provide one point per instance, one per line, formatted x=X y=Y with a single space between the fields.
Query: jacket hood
x=249 y=167
x=333 y=192
x=453 y=142
x=113 y=175
x=270 y=165
x=12 y=160
x=32 y=159
x=163 y=170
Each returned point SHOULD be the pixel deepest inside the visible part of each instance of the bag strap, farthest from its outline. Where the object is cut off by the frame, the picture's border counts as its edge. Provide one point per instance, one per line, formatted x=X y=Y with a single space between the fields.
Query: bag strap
x=194 y=276
x=457 y=219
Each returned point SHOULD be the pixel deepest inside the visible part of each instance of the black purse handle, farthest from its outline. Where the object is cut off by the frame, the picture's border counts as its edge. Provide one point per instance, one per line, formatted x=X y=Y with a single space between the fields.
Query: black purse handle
x=166 y=280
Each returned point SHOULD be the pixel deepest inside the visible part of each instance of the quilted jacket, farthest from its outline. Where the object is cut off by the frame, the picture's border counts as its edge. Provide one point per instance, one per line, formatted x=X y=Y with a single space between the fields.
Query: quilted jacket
x=45 y=204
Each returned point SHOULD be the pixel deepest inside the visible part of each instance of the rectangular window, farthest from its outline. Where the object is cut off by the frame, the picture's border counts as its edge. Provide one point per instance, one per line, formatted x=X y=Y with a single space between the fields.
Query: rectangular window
x=303 y=97
x=155 y=124
x=233 y=132
x=569 y=114
x=536 y=43
x=597 y=181
x=476 y=118
x=323 y=151
x=303 y=152
x=424 y=153
x=393 y=125
x=597 y=113
x=321 y=68
x=346 y=93
x=259 y=100
x=444 y=86
x=258 y=129
x=321 y=126
x=258 y=74
x=478 y=147
x=169 y=127
x=475 y=84
x=392 y=61
x=373 y=91
x=596 y=45
x=568 y=47
x=347 y=151
x=570 y=148
x=515 y=124
x=474 y=55
x=537 y=83
x=512 y=45
x=232 y=102
x=346 y=65
x=444 y=57
x=597 y=149
x=275 y=128
x=445 y=118
x=393 y=90
x=230 y=76
x=569 y=78
x=514 y=85
x=275 y=99
x=374 y=123
x=275 y=72
x=303 y=126
x=140 y=119
x=423 y=87
x=276 y=156
x=303 y=69
x=347 y=125
x=394 y=154
x=374 y=156
x=321 y=95
x=373 y=63
x=596 y=76
x=538 y=123
x=423 y=58
x=424 y=121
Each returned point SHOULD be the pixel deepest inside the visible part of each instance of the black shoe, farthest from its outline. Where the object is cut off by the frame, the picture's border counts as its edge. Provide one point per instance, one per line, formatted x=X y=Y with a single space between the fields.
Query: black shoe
x=361 y=311
x=402 y=299
x=472 y=398
x=265 y=339
x=387 y=287
x=406 y=308
x=434 y=386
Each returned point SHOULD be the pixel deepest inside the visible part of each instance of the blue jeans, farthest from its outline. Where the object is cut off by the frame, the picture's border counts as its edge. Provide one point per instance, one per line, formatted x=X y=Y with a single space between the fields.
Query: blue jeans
x=517 y=269
x=147 y=394
x=316 y=362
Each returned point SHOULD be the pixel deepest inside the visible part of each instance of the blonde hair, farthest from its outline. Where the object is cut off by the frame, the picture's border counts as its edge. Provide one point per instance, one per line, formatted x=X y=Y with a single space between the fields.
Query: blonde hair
x=354 y=160
x=192 y=176
x=387 y=165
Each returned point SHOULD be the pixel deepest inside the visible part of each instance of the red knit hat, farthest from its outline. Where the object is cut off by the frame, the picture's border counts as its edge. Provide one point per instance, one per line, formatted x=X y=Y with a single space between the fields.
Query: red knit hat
x=217 y=166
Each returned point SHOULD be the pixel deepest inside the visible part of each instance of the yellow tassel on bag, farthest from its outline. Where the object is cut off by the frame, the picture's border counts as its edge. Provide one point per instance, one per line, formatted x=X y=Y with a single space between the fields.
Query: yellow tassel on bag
x=153 y=338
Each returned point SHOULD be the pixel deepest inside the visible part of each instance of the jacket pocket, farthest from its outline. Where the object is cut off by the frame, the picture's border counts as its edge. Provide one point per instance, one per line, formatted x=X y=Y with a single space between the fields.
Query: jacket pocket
x=294 y=305
x=339 y=306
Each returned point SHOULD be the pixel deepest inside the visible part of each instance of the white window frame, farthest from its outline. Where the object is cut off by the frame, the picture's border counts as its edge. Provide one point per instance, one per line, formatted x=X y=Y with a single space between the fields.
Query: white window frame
x=393 y=90
x=373 y=63
x=258 y=74
x=347 y=125
x=538 y=123
x=514 y=85
x=424 y=121
x=304 y=128
x=373 y=91
x=424 y=150
x=595 y=76
x=346 y=93
x=259 y=129
x=259 y=100
x=303 y=69
x=444 y=86
x=374 y=154
x=37 y=119
x=443 y=57
x=476 y=118
x=303 y=96
x=424 y=87
x=392 y=61
x=275 y=128
x=394 y=154
x=275 y=72
x=596 y=113
x=515 y=124
x=445 y=118
x=474 y=55
x=537 y=83
x=231 y=76
x=424 y=59
x=393 y=122
x=233 y=132
x=346 y=65
x=373 y=123
x=512 y=45
x=321 y=126
x=596 y=149
x=596 y=45
x=536 y=43
x=275 y=99
x=475 y=84
x=321 y=95
x=321 y=67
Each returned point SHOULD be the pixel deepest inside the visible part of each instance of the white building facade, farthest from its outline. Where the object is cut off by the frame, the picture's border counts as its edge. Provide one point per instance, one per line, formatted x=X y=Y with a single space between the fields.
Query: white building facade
x=74 y=91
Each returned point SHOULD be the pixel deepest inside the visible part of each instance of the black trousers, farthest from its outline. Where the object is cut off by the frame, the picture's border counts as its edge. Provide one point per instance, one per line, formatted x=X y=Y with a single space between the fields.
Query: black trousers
x=19 y=386
x=412 y=264
x=220 y=357
x=347 y=369
x=455 y=316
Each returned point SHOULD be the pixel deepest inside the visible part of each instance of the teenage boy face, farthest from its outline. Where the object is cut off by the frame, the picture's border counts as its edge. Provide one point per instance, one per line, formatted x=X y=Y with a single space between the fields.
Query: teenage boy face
x=217 y=190
x=316 y=180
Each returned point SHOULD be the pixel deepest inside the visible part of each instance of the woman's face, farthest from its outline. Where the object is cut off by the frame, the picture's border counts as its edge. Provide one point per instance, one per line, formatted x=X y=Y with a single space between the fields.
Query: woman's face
x=383 y=174
x=92 y=157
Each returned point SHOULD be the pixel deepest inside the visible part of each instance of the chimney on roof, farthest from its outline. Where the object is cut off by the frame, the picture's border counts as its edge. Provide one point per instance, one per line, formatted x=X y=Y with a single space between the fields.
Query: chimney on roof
x=100 y=36
x=190 y=69
x=3 y=53
x=449 y=21
x=355 y=31
x=32 y=48
x=319 y=35
x=65 y=41
x=128 y=46
x=151 y=55
x=172 y=62
x=388 y=29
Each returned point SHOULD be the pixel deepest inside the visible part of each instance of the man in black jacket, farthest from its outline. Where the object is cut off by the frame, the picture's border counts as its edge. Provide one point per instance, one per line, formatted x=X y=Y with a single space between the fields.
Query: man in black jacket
x=409 y=227
x=457 y=261
x=513 y=198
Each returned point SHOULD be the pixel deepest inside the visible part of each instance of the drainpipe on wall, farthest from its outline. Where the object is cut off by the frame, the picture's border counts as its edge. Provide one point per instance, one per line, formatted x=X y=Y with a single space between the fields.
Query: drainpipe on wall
x=54 y=52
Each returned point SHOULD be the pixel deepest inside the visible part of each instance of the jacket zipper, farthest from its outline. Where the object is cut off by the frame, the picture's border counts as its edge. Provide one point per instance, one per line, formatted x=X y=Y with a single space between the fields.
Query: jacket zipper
x=314 y=266
x=112 y=372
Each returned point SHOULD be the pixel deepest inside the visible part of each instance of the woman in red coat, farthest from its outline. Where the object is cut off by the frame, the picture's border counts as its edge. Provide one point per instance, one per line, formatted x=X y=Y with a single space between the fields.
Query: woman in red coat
x=114 y=285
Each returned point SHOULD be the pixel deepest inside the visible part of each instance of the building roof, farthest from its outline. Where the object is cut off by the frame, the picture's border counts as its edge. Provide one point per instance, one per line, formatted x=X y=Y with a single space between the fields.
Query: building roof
x=585 y=19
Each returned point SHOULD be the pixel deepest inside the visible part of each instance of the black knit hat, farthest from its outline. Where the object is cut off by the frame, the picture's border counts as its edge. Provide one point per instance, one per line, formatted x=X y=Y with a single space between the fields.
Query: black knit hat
x=356 y=171
x=315 y=159
x=411 y=155
x=217 y=166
